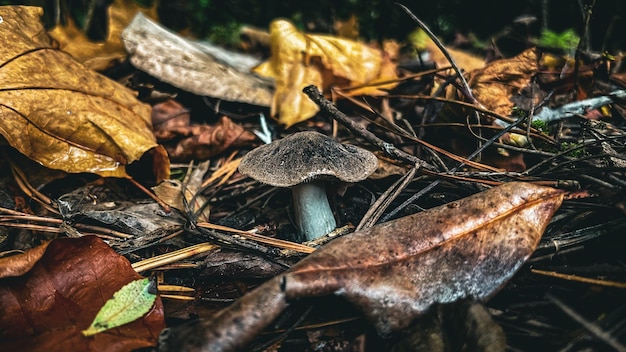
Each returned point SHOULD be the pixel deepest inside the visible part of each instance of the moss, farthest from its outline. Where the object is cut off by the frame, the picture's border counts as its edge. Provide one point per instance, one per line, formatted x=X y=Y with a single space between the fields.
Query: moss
x=577 y=151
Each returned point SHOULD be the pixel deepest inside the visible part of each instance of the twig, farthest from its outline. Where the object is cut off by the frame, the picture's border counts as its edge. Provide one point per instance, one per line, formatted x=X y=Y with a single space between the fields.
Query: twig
x=577 y=278
x=590 y=326
x=376 y=211
x=166 y=208
x=329 y=108
x=455 y=67
x=174 y=256
x=260 y=238
x=433 y=184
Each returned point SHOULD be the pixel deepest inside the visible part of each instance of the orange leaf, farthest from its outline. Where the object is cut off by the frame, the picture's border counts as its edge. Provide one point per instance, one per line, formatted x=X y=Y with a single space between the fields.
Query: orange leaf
x=497 y=82
x=61 y=114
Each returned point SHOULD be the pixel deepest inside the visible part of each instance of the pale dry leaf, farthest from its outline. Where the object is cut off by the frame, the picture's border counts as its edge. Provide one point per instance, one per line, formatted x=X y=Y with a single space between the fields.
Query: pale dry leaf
x=186 y=65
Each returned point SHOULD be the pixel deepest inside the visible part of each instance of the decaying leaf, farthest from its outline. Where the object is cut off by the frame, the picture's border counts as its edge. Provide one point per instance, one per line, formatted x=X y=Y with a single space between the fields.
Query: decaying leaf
x=61 y=114
x=128 y=304
x=168 y=119
x=99 y=55
x=47 y=307
x=299 y=60
x=495 y=86
x=185 y=140
x=395 y=271
x=172 y=191
x=186 y=65
x=202 y=141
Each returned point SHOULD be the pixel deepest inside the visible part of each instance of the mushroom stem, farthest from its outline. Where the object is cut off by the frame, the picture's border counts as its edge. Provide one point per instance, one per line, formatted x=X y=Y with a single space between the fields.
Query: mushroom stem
x=311 y=209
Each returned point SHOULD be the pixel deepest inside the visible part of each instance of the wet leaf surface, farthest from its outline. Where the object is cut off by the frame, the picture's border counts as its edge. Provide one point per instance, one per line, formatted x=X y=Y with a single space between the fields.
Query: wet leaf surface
x=396 y=270
x=47 y=307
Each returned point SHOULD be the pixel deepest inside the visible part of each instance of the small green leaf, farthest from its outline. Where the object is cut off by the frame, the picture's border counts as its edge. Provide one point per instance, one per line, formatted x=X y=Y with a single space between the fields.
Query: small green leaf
x=128 y=304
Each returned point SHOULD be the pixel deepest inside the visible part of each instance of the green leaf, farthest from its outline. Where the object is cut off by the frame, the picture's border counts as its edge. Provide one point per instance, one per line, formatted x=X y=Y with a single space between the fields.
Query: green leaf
x=128 y=304
x=565 y=40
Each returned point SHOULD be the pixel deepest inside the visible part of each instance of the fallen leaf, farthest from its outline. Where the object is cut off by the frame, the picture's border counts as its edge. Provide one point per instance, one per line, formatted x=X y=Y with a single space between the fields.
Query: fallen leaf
x=299 y=60
x=128 y=304
x=99 y=55
x=202 y=141
x=21 y=264
x=464 y=60
x=186 y=65
x=171 y=192
x=495 y=86
x=169 y=118
x=46 y=308
x=396 y=270
x=61 y=114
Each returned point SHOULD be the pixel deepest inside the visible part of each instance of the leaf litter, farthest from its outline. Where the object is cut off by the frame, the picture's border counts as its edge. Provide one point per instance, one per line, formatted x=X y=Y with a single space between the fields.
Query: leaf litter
x=410 y=276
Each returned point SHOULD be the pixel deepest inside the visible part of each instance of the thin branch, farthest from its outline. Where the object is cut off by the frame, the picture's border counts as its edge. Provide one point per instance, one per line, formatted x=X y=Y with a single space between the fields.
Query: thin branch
x=330 y=109
x=590 y=326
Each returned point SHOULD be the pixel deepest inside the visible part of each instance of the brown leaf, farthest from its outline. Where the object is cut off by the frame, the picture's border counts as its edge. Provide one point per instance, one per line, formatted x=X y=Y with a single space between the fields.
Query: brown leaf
x=172 y=192
x=464 y=60
x=169 y=118
x=496 y=83
x=61 y=114
x=21 y=264
x=200 y=142
x=99 y=55
x=46 y=308
x=395 y=271
x=493 y=86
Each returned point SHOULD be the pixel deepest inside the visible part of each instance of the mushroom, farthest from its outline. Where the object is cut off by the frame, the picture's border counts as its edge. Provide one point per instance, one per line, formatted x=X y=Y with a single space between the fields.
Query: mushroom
x=305 y=161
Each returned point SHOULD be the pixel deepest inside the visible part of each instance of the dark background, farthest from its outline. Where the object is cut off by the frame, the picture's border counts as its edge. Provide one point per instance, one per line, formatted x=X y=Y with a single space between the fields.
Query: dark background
x=379 y=19
x=219 y=20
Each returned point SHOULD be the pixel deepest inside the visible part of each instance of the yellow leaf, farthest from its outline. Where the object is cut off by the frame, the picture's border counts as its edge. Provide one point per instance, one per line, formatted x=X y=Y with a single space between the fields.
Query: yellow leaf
x=299 y=60
x=99 y=55
x=61 y=114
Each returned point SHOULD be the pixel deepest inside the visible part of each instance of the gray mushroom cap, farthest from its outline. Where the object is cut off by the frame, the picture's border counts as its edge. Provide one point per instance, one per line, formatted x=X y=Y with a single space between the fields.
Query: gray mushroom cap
x=306 y=156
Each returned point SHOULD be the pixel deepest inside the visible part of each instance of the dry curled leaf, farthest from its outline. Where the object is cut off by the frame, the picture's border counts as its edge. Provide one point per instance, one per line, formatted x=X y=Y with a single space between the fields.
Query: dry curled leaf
x=299 y=60
x=396 y=270
x=47 y=307
x=202 y=141
x=495 y=86
x=61 y=114
x=173 y=191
